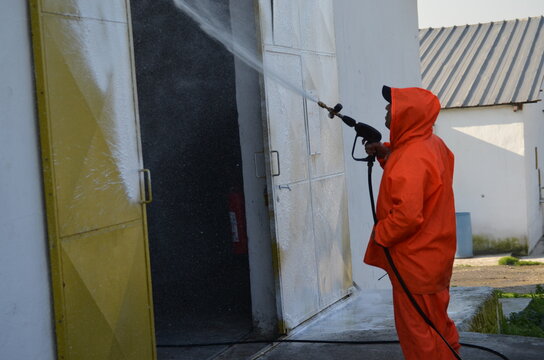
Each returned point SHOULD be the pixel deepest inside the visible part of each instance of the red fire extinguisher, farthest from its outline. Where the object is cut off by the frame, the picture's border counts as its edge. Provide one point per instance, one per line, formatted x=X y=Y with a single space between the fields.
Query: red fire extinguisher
x=237 y=217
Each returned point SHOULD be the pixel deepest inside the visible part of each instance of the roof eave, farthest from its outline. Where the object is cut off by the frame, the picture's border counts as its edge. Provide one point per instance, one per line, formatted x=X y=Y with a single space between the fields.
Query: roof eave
x=490 y=105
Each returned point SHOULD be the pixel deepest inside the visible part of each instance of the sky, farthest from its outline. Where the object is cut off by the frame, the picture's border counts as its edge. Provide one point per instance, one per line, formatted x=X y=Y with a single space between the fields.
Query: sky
x=438 y=13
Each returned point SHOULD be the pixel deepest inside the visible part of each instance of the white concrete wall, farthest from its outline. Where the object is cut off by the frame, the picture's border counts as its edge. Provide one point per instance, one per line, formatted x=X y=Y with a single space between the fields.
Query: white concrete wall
x=377 y=44
x=533 y=116
x=26 y=330
x=490 y=167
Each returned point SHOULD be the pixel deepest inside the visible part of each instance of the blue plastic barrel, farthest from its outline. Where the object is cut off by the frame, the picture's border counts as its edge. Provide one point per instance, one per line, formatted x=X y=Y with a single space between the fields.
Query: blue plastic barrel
x=464 y=235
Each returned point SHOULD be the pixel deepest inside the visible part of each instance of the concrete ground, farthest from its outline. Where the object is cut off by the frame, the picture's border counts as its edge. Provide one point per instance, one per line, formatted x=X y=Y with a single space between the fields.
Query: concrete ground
x=510 y=347
x=368 y=316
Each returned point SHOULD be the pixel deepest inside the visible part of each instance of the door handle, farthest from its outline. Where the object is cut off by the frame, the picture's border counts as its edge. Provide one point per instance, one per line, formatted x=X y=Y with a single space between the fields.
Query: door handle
x=148 y=192
x=278 y=161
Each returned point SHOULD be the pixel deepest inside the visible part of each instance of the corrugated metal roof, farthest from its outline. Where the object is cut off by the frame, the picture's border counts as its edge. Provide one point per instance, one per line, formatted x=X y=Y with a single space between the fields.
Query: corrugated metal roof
x=484 y=64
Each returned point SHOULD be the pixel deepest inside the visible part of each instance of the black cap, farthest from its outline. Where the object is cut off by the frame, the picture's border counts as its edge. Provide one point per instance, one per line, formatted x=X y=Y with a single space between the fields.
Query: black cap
x=386 y=93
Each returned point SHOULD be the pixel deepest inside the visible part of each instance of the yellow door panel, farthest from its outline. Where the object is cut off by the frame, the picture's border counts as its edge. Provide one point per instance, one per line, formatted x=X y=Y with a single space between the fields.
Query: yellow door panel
x=91 y=163
x=108 y=309
x=113 y=10
x=94 y=161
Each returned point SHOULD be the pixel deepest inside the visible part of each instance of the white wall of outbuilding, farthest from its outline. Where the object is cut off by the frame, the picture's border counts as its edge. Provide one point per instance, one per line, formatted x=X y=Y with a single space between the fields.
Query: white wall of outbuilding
x=495 y=175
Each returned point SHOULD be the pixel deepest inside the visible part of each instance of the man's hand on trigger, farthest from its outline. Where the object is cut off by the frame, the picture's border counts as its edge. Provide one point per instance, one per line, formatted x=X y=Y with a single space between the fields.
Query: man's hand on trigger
x=377 y=149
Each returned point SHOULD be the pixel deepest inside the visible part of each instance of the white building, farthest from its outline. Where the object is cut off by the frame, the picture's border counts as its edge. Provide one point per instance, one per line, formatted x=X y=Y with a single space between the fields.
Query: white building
x=489 y=79
x=76 y=230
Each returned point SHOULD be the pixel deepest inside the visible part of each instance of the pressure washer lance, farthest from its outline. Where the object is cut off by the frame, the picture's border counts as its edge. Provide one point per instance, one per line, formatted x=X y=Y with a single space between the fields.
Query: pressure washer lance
x=364 y=131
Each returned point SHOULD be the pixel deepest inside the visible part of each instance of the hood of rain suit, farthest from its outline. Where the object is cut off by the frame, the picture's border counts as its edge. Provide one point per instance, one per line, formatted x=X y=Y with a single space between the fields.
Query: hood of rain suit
x=413 y=113
x=415 y=207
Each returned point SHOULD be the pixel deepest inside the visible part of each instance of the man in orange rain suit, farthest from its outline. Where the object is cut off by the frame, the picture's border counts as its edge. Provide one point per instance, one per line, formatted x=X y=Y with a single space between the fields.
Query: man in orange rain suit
x=416 y=221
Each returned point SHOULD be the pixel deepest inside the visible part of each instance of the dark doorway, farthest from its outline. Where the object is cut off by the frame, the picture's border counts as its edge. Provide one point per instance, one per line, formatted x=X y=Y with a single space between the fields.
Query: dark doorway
x=189 y=130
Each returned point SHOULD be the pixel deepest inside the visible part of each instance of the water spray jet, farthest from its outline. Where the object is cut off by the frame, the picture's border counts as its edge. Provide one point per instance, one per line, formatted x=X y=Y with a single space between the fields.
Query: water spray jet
x=209 y=22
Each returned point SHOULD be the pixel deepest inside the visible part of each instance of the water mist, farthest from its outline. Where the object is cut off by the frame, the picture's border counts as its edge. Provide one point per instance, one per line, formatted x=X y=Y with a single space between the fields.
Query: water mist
x=209 y=17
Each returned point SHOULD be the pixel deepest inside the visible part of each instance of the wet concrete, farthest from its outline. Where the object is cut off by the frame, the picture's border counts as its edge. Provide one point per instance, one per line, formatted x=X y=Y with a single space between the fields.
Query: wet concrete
x=372 y=310
x=368 y=316
x=513 y=347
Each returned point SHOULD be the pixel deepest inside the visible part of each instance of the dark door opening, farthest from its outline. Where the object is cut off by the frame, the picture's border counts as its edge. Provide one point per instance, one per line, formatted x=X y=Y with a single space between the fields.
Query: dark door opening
x=190 y=141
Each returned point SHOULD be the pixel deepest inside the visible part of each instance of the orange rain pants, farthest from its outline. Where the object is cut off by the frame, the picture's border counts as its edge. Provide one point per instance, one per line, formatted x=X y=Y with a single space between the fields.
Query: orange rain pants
x=417 y=339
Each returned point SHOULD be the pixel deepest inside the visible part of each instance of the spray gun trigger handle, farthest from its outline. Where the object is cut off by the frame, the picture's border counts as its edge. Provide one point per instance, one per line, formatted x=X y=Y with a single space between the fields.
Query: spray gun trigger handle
x=349 y=121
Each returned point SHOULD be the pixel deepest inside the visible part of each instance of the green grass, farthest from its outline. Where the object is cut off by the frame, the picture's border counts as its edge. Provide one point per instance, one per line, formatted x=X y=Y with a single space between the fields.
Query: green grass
x=527 y=262
x=514 y=261
x=489 y=318
x=529 y=321
x=539 y=292
x=509 y=295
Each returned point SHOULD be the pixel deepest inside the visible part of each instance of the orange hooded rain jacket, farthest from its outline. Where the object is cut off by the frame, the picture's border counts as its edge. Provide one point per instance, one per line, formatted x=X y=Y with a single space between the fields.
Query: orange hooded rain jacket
x=415 y=207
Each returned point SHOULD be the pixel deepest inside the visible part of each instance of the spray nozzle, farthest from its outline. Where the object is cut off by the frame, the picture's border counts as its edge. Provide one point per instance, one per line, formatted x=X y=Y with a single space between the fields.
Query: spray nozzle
x=367 y=132
x=332 y=111
x=335 y=111
x=364 y=131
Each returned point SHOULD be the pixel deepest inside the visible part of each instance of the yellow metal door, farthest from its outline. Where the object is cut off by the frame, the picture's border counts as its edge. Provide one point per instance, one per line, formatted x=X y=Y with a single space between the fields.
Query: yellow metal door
x=92 y=180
